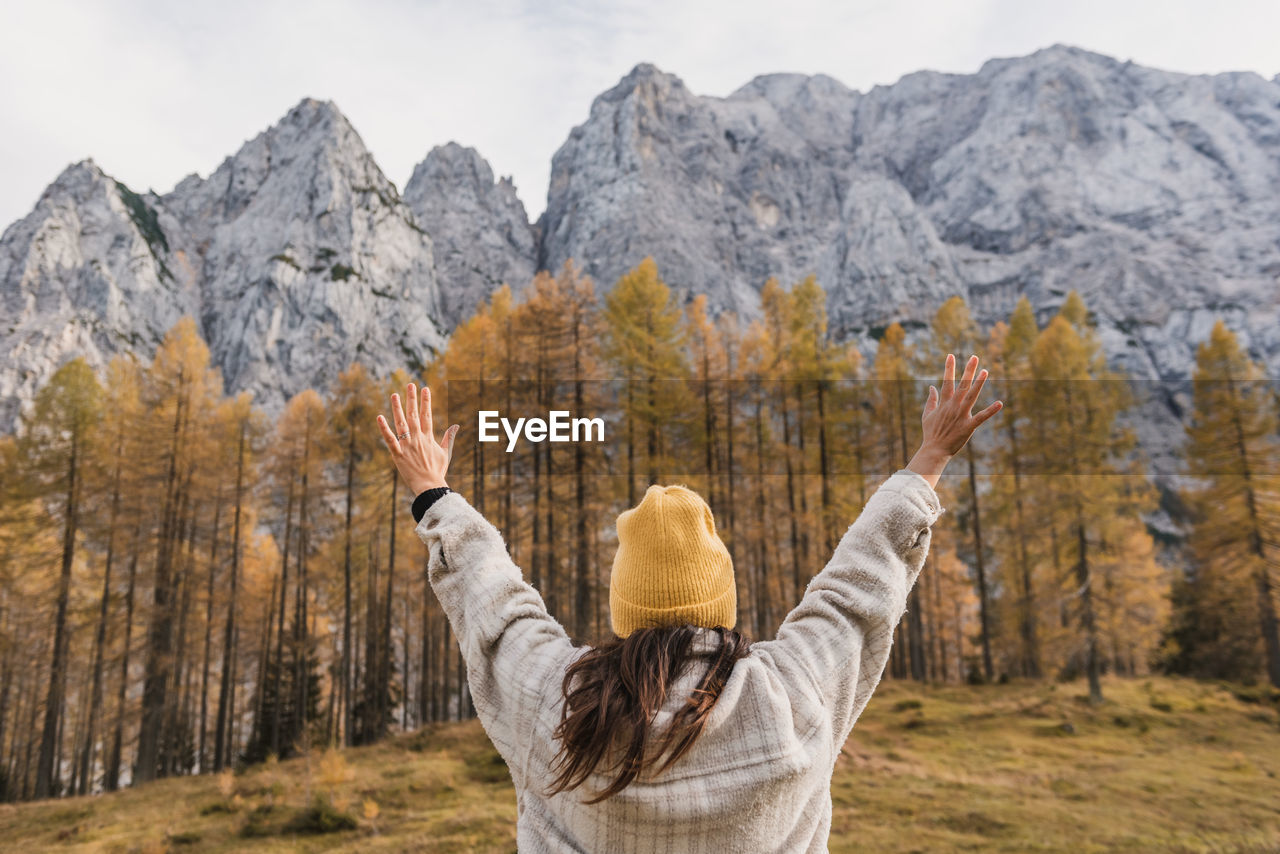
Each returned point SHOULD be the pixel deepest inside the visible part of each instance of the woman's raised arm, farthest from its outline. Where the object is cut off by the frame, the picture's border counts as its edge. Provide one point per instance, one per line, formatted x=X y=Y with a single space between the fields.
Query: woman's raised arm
x=511 y=645
x=831 y=650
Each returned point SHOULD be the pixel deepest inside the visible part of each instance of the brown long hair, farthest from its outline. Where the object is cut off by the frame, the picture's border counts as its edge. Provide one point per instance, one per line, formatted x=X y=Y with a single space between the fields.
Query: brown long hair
x=620 y=687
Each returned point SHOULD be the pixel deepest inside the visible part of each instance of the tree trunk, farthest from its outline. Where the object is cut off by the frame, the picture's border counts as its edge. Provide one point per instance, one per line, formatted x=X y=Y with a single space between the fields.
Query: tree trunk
x=220 y=740
x=1027 y=623
x=651 y=426
x=371 y=634
x=762 y=603
x=117 y=742
x=384 y=676
x=1267 y=621
x=404 y=665
x=1083 y=575
x=100 y=638
x=550 y=562
x=797 y=582
x=915 y=623
x=348 y=718
x=258 y=733
x=980 y=567
x=301 y=641
x=730 y=474
x=425 y=688
x=208 y=635
x=169 y=745
x=631 y=446
x=58 y=669
x=708 y=429
x=278 y=675
x=829 y=538
x=160 y=628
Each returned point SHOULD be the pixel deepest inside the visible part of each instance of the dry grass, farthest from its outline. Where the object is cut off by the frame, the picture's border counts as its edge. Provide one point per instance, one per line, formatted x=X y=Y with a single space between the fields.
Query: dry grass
x=1164 y=765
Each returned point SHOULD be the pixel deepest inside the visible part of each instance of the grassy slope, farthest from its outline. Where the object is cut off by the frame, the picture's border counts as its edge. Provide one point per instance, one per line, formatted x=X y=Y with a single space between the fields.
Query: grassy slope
x=1164 y=765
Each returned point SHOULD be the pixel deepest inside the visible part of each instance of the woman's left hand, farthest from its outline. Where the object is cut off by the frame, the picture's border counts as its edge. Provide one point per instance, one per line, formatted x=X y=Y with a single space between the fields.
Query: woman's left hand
x=421 y=461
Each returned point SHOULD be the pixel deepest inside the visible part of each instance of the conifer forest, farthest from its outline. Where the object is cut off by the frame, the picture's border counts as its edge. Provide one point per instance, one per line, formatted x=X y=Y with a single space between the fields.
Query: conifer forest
x=190 y=584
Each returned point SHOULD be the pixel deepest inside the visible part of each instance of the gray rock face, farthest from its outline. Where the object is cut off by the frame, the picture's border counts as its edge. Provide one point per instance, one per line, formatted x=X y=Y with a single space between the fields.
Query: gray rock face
x=296 y=257
x=307 y=259
x=1155 y=194
x=725 y=193
x=87 y=272
x=479 y=227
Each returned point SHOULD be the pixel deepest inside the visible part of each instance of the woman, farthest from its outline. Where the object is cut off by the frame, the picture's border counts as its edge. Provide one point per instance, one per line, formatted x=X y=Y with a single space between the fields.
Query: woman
x=623 y=748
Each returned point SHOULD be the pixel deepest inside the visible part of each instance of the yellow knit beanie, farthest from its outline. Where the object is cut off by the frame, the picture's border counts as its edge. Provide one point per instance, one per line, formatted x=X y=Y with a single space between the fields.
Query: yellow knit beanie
x=671 y=568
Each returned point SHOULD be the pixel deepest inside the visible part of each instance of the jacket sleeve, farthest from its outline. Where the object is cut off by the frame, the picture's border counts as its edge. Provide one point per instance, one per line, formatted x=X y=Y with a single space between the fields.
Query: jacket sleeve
x=831 y=650
x=513 y=648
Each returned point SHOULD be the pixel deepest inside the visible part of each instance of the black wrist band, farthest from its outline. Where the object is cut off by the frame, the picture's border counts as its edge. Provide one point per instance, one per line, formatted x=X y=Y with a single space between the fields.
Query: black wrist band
x=425 y=499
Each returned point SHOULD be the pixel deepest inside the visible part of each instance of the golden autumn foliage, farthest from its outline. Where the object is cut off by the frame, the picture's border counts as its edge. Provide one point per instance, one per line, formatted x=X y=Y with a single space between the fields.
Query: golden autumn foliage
x=1227 y=623
x=198 y=583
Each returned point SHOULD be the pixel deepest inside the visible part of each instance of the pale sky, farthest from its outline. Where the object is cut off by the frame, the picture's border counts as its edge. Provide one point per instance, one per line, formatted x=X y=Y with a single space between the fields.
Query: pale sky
x=154 y=91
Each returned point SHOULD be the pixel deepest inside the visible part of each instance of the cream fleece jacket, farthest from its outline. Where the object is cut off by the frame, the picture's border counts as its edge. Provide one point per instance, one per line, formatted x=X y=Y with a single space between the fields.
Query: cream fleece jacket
x=758 y=779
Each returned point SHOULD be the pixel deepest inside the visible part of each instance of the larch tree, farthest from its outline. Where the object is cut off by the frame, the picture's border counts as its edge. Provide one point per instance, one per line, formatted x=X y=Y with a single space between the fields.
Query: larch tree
x=816 y=364
x=1227 y=623
x=296 y=467
x=709 y=368
x=57 y=439
x=178 y=391
x=644 y=342
x=897 y=406
x=353 y=405
x=1014 y=490
x=1079 y=400
x=114 y=452
x=580 y=366
x=955 y=333
x=730 y=336
x=762 y=540
x=247 y=430
x=124 y=413
x=780 y=327
x=540 y=329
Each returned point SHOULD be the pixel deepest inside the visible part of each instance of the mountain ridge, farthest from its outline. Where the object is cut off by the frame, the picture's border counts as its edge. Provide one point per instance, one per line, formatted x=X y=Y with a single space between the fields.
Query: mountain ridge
x=1152 y=192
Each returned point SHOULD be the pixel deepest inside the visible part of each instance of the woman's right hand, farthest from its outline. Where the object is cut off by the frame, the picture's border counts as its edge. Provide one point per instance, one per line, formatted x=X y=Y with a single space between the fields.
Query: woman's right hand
x=421 y=461
x=948 y=418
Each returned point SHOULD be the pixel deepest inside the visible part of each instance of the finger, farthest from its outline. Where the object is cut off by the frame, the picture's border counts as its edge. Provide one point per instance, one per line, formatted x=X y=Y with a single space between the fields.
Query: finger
x=976 y=389
x=988 y=412
x=411 y=402
x=931 y=403
x=397 y=413
x=949 y=377
x=424 y=409
x=428 y=422
x=969 y=368
x=450 y=436
x=389 y=438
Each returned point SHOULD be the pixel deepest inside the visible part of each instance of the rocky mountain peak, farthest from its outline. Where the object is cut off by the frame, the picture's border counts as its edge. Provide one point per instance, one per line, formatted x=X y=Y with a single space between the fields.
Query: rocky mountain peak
x=296 y=256
x=1061 y=53
x=313 y=145
x=646 y=80
x=479 y=227
x=83 y=173
x=307 y=256
x=84 y=274
x=1154 y=194
x=779 y=89
x=453 y=161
